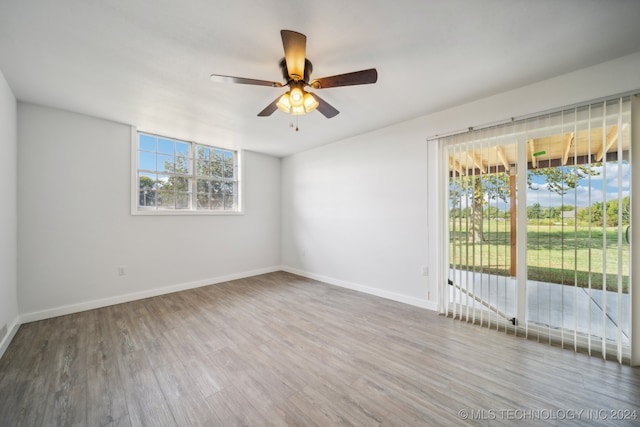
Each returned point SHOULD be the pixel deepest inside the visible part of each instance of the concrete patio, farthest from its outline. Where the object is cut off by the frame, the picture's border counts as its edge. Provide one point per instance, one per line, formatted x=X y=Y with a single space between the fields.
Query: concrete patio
x=556 y=306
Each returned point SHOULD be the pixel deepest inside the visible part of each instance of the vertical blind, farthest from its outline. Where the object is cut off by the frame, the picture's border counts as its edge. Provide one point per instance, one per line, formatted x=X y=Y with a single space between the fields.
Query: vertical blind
x=538 y=220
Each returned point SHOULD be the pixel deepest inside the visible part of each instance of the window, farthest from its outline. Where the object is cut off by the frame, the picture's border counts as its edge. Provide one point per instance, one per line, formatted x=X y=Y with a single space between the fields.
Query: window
x=174 y=176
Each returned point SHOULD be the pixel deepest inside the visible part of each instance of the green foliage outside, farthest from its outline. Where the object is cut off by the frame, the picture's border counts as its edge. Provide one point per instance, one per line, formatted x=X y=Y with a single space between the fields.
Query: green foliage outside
x=565 y=254
x=596 y=214
x=564 y=244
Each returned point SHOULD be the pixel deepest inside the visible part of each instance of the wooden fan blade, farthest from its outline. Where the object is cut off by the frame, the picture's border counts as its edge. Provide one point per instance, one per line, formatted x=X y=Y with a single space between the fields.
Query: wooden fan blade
x=325 y=108
x=217 y=78
x=349 y=79
x=269 y=109
x=295 y=45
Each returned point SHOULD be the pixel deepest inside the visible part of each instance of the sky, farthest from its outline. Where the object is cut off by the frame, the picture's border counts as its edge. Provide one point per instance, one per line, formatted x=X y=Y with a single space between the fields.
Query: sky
x=606 y=182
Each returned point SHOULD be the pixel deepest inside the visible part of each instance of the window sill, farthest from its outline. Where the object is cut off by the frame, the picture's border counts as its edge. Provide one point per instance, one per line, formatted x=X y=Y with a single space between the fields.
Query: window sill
x=184 y=213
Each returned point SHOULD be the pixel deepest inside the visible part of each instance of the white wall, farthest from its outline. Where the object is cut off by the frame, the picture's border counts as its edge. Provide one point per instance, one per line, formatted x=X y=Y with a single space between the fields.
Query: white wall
x=361 y=213
x=8 y=214
x=355 y=212
x=75 y=225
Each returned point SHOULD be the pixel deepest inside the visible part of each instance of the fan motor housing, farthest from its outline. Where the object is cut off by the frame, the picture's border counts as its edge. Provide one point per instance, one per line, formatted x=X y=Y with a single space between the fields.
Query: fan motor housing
x=308 y=69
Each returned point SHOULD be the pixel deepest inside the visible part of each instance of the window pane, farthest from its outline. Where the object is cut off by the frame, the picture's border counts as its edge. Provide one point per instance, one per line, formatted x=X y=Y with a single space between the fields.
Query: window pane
x=216 y=187
x=163 y=182
x=203 y=186
x=203 y=152
x=165 y=146
x=228 y=202
x=217 y=155
x=147 y=142
x=182 y=200
x=203 y=167
x=182 y=149
x=146 y=161
x=229 y=164
x=217 y=169
x=147 y=181
x=183 y=165
x=166 y=199
x=166 y=163
x=180 y=183
x=203 y=201
x=227 y=188
x=147 y=197
x=228 y=169
x=217 y=201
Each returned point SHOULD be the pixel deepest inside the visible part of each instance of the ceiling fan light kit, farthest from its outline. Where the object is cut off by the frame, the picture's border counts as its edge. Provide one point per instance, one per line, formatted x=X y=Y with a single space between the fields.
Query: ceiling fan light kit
x=297 y=101
x=296 y=71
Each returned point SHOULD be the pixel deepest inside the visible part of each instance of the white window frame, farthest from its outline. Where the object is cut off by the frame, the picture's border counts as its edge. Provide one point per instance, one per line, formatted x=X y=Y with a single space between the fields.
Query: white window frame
x=192 y=210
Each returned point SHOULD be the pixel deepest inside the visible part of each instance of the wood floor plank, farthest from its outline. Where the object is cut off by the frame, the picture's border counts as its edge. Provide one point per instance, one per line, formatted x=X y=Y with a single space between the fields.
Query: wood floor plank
x=22 y=405
x=188 y=406
x=106 y=400
x=66 y=407
x=282 y=350
x=316 y=412
x=232 y=408
x=207 y=377
x=265 y=361
x=160 y=351
x=145 y=401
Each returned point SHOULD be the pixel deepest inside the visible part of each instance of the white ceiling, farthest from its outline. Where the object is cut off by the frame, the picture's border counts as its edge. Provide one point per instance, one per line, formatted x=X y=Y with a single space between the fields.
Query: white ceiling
x=147 y=62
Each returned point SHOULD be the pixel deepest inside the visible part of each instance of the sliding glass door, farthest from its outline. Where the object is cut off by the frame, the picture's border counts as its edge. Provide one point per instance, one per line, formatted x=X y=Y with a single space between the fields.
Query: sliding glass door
x=538 y=227
x=578 y=201
x=480 y=188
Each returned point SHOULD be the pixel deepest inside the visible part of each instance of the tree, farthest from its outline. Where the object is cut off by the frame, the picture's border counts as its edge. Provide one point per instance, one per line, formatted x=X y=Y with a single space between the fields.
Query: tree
x=583 y=214
x=481 y=188
x=626 y=210
x=552 y=212
x=612 y=212
x=594 y=214
x=476 y=210
x=492 y=212
x=173 y=191
x=497 y=186
x=534 y=211
x=478 y=189
x=597 y=213
x=564 y=178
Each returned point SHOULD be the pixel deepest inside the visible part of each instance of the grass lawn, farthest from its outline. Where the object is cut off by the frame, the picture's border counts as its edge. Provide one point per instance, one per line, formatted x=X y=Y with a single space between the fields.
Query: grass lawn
x=555 y=253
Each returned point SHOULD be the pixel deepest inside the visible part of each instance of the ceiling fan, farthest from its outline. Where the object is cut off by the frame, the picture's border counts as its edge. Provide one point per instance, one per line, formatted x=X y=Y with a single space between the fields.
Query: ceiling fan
x=296 y=71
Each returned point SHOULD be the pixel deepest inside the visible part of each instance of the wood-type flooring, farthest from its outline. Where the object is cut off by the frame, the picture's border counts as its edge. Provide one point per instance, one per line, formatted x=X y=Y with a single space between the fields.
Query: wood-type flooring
x=282 y=350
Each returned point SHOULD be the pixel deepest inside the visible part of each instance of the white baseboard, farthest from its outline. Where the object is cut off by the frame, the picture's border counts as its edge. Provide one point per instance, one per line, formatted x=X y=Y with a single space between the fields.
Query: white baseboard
x=119 y=299
x=429 y=305
x=11 y=332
